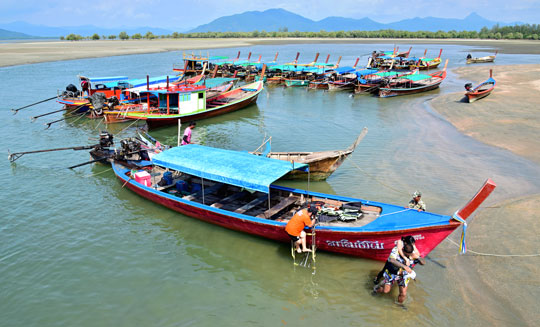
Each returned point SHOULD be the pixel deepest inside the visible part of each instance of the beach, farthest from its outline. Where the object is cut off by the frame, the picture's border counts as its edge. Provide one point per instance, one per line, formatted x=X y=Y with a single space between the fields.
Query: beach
x=21 y=53
x=508 y=118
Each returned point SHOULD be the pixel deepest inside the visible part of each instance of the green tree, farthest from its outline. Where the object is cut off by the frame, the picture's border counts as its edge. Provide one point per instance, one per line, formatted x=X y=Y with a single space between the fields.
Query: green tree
x=95 y=36
x=149 y=35
x=136 y=36
x=123 y=36
x=73 y=37
x=62 y=38
x=112 y=37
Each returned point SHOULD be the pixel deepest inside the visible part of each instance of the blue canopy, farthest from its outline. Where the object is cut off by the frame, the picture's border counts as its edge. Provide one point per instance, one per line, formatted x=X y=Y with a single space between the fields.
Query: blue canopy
x=367 y=71
x=216 y=81
x=137 y=82
x=344 y=70
x=107 y=79
x=230 y=167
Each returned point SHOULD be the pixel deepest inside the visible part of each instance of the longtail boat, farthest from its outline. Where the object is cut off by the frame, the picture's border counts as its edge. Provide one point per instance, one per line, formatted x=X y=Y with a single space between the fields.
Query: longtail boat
x=321 y=164
x=427 y=63
x=113 y=86
x=369 y=80
x=343 y=78
x=235 y=190
x=481 y=90
x=191 y=104
x=119 y=113
x=476 y=60
x=412 y=83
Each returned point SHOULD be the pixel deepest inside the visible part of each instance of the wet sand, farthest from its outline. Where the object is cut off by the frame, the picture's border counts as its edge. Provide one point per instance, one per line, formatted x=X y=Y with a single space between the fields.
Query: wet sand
x=508 y=118
x=497 y=276
x=36 y=52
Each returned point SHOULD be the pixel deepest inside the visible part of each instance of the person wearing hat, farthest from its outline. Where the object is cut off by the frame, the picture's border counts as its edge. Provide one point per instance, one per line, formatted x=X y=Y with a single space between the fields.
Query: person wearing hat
x=295 y=227
x=187 y=133
x=416 y=202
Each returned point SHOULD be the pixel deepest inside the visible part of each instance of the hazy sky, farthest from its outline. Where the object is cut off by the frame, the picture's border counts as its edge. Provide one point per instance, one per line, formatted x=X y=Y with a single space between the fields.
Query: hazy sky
x=181 y=14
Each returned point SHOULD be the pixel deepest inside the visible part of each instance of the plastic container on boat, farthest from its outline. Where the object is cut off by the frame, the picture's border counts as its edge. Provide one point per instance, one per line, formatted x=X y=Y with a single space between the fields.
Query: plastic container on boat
x=143 y=177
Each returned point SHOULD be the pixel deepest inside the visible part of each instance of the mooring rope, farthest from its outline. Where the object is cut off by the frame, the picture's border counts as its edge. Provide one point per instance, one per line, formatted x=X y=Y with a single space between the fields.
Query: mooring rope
x=378 y=181
x=136 y=120
x=391 y=213
x=99 y=123
x=91 y=175
x=497 y=255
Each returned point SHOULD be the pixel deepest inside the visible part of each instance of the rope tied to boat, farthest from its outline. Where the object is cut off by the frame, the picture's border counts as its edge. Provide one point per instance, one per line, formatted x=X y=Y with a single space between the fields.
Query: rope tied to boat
x=462 y=245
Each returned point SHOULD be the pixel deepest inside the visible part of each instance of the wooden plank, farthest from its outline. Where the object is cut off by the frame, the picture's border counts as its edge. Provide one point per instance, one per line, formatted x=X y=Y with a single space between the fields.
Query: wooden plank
x=230 y=198
x=251 y=204
x=286 y=202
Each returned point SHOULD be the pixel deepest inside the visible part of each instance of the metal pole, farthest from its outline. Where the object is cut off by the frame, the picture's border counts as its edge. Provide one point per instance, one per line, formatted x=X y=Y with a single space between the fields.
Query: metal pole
x=202 y=183
x=179 y=137
x=308 y=178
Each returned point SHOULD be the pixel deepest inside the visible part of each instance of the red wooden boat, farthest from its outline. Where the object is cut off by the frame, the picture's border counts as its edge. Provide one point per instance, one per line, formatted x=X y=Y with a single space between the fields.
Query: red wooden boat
x=234 y=190
x=480 y=91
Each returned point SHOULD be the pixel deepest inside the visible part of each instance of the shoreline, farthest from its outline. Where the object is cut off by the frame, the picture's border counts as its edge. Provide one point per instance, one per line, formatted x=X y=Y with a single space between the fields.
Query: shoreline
x=22 y=53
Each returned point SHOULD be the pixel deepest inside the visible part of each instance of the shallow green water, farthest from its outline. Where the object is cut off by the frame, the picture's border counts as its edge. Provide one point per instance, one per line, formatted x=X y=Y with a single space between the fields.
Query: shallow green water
x=78 y=249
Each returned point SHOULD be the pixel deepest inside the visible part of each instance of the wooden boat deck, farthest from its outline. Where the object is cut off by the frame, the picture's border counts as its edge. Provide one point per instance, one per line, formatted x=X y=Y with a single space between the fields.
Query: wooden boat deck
x=280 y=205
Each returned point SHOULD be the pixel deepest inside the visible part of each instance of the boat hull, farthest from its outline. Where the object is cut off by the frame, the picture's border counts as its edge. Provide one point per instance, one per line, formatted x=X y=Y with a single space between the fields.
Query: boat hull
x=296 y=83
x=471 y=97
x=318 y=169
x=391 y=92
x=336 y=86
x=481 y=60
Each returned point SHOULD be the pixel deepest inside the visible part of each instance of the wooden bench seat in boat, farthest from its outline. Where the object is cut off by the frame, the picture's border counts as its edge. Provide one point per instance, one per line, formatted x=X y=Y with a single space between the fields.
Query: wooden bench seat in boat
x=207 y=190
x=283 y=204
x=251 y=204
x=229 y=199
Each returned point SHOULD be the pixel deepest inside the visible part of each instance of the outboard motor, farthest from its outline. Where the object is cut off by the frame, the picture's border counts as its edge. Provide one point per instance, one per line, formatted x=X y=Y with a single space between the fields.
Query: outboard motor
x=71 y=88
x=105 y=139
x=98 y=100
x=113 y=101
x=71 y=91
x=468 y=86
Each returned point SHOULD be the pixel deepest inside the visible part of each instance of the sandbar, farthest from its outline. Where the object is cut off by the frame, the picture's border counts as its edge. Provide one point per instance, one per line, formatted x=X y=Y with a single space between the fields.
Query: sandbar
x=21 y=53
x=508 y=118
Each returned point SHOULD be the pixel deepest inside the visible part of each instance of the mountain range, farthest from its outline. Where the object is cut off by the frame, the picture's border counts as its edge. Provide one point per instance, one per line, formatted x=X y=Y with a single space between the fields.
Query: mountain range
x=10 y=35
x=268 y=20
x=278 y=19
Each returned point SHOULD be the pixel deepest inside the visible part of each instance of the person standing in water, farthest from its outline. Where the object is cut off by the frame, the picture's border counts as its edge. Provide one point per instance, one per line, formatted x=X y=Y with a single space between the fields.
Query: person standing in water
x=187 y=133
